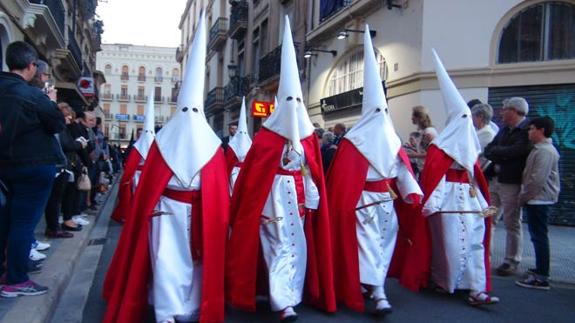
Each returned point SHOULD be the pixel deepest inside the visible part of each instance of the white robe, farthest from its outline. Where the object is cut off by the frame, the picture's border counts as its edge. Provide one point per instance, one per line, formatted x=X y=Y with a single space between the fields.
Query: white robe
x=283 y=240
x=176 y=287
x=457 y=239
x=377 y=225
x=233 y=177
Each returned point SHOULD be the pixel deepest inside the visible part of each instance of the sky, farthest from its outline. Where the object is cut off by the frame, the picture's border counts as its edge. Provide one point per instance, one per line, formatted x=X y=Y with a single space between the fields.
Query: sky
x=141 y=22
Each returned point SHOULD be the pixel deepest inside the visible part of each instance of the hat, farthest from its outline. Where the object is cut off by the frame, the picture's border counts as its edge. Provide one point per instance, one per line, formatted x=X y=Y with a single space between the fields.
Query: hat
x=290 y=119
x=374 y=135
x=458 y=139
x=147 y=137
x=241 y=141
x=187 y=142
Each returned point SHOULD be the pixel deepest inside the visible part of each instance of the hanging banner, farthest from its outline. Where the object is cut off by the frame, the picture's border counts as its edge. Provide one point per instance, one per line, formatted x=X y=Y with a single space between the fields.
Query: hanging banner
x=262 y=109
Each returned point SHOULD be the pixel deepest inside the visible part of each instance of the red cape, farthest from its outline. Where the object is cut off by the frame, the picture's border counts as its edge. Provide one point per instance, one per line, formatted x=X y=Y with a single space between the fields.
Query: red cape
x=345 y=182
x=437 y=162
x=250 y=193
x=231 y=159
x=126 y=284
x=126 y=188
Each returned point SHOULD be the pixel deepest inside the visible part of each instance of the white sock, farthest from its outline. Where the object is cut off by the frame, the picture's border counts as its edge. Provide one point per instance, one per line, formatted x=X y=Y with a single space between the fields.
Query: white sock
x=288 y=311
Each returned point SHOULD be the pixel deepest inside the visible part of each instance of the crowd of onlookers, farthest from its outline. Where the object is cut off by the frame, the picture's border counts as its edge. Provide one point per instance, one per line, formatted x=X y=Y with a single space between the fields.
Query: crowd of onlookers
x=54 y=161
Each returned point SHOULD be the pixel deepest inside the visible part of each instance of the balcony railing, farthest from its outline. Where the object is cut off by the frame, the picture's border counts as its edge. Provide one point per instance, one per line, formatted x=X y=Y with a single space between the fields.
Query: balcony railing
x=158 y=78
x=158 y=99
x=330 y=10
x=218 y=34
x=124 y=77
x=236 y=88
x=214 y=100
x=271 y=63
x=140 y=98
x=123 y=97
x=57 y=10
x=238 y=19
x=106 y=96
x=74 y=48
x=141 y=78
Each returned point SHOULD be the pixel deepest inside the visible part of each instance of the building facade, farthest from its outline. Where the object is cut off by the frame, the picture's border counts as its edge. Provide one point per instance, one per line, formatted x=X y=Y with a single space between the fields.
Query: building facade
x=66 y=35
x=133 y=73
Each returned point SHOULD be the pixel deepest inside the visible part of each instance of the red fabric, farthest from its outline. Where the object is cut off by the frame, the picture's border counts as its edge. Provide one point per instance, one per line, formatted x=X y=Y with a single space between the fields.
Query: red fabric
x=231 y=160
x=437 y=163
x=345 y=182
x=126 y=283
x=250 y=193
x=379 y=186
x=456 y=176
x=126 y=188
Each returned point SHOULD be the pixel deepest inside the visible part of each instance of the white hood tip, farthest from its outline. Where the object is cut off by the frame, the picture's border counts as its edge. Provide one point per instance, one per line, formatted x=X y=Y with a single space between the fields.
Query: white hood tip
x=187 y=142
x=241 y=141
x=459 y=138
x=148 y=133
x=290 y=118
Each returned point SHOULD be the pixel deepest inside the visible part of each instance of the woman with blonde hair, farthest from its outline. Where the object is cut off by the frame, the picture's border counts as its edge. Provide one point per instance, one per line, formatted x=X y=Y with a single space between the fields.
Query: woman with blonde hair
x=420 y=117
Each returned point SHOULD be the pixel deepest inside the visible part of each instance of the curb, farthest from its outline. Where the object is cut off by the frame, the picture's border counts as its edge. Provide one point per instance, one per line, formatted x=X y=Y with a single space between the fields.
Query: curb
x=56 y=273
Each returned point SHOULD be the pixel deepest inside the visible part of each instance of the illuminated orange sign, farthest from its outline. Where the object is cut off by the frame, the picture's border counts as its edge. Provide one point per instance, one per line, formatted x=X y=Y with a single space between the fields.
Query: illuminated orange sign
x=262 y=109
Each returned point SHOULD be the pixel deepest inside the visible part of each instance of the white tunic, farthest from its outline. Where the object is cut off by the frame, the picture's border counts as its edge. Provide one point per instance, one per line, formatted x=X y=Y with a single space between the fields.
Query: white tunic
x=377 y=225
x=233 y=177
x=176 y=286
x=282 y=236
x=457 y=239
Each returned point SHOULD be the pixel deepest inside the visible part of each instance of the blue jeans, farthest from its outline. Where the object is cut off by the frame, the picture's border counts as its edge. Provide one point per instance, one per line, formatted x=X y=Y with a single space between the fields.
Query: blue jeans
x=537 y=222
x=28 y=191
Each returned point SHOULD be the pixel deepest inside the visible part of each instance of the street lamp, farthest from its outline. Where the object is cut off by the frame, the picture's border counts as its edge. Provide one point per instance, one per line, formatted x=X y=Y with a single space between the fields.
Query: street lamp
x=345 y=33
x=310 y=52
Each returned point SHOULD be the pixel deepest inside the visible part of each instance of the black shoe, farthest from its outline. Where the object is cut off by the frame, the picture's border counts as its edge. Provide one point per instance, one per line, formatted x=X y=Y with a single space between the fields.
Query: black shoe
x=290 y=318
x=505 y=270
x=34 y=266
x=534 y=283
x=69 y=228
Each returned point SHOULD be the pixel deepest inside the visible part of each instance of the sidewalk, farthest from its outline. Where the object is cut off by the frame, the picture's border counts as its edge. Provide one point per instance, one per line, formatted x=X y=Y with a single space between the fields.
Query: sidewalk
x=64 y=256
x=57 y=269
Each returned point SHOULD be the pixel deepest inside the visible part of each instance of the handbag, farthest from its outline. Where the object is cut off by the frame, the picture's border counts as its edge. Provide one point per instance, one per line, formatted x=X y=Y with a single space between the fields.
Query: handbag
x=83 y=183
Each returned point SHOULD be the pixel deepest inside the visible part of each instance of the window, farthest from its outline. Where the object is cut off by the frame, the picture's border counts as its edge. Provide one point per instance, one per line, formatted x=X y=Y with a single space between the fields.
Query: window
x=125 y=73
x=108 y=69
x=124 y=92
x=141 y=92
x=122 y=133
x=140 y=109
x=123 y=109
x=158 y=77
x=241 y=64
x=540 y=32
x=348 y=74
x=142 y=74
x=256 y=51
x=175 y=75
x=106 y=107
x=158 y=94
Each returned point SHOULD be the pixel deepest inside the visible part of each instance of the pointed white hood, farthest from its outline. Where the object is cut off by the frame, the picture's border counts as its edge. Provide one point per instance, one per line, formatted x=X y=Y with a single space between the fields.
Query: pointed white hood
x=374 y=135
x=459 y=138
x=148 y=133
x=187 y=142
x=241 y=141
x=290 y=118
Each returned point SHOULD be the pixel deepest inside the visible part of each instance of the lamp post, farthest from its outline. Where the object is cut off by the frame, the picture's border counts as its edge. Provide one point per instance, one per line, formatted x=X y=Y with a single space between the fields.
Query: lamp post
x=310 y=52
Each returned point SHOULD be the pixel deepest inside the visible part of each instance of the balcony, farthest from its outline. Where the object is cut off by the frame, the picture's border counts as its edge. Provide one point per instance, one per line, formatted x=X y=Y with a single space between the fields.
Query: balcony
x=124 y=77
x=53 y=18
x=271 y=63
x=335 y=7
x=123 y=97
x=158 y=99
x=106 y=97
x=173 y=99
x=238 y=19
x=158 y=79
x=236 y=88
x=140 y=98
x=214 y=100
x=141 y=78
x=74 y=48
x=218 y=34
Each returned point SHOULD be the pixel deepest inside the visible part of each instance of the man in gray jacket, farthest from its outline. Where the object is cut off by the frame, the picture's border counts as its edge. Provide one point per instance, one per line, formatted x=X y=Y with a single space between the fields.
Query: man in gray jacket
x=539 y=191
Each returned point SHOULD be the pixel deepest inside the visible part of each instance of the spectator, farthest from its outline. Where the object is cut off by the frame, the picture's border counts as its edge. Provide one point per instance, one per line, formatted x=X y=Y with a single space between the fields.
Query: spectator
x=82 y=129
x=411 y=148
x=508 y=152
x=327 y=149
x=471 y=103
x=539 y=191
x=28 y=154
x=481 y=115
x=420 y=117
x=232 y=128
x=339 y=131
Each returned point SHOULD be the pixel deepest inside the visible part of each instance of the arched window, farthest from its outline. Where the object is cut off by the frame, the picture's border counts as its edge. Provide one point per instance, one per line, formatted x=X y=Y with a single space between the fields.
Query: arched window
x=108 y=69
x=348 y=74
x=540 y=32
x=125 y=73
x=158 y=77
x=142 y=74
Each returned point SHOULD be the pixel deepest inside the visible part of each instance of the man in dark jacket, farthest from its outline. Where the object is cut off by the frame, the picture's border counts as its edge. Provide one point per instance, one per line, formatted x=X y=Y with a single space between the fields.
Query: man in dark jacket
x=508 y=151
x=29 y=118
